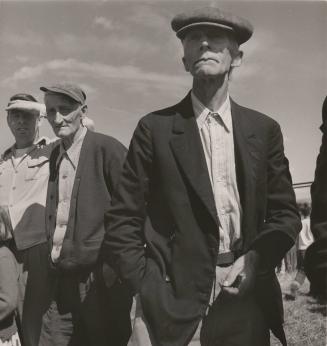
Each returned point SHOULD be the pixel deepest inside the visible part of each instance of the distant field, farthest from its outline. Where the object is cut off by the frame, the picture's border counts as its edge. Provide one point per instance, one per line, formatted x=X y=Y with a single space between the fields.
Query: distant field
x=305 y=318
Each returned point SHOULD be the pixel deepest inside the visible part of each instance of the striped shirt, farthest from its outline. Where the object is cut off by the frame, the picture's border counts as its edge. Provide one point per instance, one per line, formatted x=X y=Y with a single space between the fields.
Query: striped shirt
x=68 y=161
x=216 y=132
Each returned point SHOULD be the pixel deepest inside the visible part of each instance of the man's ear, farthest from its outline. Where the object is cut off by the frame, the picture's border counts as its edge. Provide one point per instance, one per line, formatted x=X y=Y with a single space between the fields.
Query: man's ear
x=84 y=110
x=185 y=64
x=237 y=61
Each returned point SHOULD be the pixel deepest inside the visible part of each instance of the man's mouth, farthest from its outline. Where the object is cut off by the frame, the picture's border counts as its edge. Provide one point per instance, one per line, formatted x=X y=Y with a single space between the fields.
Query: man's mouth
x=205 y=60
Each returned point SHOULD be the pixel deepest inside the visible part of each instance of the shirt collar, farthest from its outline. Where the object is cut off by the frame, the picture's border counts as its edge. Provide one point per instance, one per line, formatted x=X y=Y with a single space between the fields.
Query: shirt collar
x=201 y=112
x=38 y=143
x=73 y=151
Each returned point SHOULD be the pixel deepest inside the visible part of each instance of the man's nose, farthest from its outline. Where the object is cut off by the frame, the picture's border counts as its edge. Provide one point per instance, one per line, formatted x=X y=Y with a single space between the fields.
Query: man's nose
x=57 y=118
x=204 y=42
x=20 y=119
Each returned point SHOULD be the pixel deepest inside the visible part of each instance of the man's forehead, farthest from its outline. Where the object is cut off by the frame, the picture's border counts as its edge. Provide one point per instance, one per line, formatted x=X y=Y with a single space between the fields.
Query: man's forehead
x=24 y=112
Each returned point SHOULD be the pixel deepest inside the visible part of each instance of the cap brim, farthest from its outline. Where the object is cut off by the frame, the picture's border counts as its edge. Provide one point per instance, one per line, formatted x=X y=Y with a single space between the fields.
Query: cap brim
x=182 y=32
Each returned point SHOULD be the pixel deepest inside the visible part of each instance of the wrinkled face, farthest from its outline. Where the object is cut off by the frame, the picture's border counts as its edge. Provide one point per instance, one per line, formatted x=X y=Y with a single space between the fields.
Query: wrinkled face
x=23 y=125
x=64 y=114
x=207 y=52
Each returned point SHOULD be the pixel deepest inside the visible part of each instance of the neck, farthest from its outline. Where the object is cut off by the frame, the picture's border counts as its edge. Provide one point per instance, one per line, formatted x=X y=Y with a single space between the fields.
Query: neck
x=23 y=145
x=68 y=141
x=211 y=92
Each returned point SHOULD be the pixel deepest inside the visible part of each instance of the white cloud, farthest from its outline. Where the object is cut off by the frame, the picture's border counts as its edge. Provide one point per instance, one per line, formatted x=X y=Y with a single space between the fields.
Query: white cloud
x=109 y=46
x=103 y=22
x=68 y=68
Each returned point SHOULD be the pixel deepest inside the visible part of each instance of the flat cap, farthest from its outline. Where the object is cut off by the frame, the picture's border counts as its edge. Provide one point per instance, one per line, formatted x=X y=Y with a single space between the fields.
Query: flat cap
x=212 y=16
x=73 y=91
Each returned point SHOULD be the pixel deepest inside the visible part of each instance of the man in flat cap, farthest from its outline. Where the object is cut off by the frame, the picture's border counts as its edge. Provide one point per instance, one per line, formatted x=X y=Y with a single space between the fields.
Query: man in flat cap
x=24 y=173
x=88 y=305
x=207 y=189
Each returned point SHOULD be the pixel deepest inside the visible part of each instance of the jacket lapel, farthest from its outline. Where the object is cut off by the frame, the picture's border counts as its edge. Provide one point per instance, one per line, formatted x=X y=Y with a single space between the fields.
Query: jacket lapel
x=246 y=159
x=81 y=162
x=187 y=148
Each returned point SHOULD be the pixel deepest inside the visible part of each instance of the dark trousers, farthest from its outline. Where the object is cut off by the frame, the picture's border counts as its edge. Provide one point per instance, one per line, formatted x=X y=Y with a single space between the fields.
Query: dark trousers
x=82 y=311
x=233 y=321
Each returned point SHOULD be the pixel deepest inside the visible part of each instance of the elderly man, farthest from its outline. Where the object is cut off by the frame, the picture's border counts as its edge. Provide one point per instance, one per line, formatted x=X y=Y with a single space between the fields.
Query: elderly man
x=88 y=305
x=24 y=173
x=207 y=188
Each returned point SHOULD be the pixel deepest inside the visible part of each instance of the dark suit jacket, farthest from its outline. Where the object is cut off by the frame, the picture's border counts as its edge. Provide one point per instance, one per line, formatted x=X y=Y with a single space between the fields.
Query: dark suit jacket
x=316 y=254
x=319 y=187
x=165 y=200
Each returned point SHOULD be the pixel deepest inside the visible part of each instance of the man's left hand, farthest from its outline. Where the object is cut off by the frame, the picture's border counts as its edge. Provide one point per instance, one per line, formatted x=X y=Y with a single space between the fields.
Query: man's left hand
x=240 y=279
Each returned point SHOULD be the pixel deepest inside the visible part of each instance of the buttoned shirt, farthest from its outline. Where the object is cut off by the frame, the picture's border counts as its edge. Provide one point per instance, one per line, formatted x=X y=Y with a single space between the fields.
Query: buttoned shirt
x=24 y=175
x=216 y=132
x=68 y=162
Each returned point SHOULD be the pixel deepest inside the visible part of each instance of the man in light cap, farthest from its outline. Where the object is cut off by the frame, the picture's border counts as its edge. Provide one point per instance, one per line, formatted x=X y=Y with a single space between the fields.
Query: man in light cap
x=24 y=173
x=207 y=188
x=88 y=304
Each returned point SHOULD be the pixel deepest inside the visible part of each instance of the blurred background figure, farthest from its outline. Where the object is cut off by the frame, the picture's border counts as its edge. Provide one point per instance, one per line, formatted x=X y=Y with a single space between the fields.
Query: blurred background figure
x=305 y=239
x=88 y=123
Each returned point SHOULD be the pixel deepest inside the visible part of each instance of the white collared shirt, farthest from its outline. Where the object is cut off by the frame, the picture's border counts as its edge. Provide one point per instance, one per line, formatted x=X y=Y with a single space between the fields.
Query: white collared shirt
x=218 y=146
x=24 y=175
x=68 y=162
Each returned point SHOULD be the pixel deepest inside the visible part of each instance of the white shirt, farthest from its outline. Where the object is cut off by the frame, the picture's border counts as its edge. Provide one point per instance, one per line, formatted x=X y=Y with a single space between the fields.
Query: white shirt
x=24 y=175
x=305 y=236
x=68 y=161
x=218 y=145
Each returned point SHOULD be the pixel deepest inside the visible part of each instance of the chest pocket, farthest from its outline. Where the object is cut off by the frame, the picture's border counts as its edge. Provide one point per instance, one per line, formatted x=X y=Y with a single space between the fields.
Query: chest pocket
x=37 y=168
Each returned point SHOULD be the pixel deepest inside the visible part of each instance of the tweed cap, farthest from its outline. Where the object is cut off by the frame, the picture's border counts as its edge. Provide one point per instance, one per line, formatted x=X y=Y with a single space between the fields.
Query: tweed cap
x=73 y=91
x=212 y=16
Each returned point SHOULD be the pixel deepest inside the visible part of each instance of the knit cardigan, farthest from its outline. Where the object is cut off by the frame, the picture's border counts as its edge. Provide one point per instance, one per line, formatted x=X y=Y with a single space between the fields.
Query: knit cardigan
x=97 y=174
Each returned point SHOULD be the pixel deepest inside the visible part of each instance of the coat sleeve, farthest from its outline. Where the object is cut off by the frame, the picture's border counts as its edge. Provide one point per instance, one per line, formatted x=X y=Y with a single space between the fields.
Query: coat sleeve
x=123 y=245
x=282 y=222
x=8 y=286
x=319 y=190
x=114 y=164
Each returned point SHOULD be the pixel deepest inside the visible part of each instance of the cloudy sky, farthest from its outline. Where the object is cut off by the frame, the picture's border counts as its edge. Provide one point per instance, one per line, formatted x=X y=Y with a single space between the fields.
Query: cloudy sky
x=128 y=60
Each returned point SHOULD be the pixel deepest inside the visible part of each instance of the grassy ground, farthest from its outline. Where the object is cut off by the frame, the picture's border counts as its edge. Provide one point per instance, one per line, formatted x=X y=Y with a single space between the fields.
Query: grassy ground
x=305 y=318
